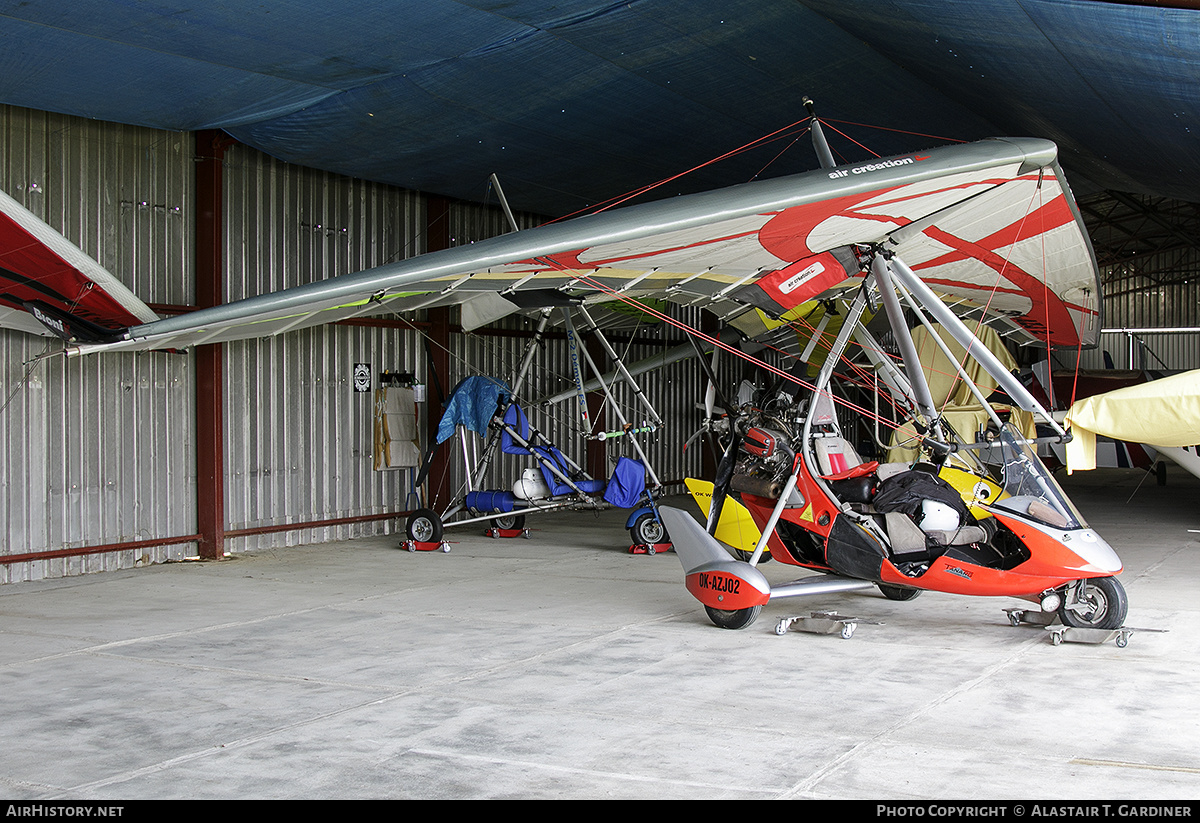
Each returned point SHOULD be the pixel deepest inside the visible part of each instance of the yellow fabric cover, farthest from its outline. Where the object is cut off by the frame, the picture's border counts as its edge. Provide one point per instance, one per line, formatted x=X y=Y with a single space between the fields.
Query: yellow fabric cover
x=1162 y=412
x=942 y=376
x=951 y=395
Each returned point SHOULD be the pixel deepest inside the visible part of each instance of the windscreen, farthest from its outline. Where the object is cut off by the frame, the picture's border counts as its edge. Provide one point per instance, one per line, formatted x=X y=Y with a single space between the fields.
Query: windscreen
x=1032 y=489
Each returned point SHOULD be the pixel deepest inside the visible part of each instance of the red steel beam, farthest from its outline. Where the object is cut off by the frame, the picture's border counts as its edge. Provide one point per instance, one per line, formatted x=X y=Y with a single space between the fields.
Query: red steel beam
x=210 y=366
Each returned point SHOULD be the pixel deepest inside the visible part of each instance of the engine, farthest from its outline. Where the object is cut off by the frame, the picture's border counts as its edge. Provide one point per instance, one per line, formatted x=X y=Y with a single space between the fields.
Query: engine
x=767 y=454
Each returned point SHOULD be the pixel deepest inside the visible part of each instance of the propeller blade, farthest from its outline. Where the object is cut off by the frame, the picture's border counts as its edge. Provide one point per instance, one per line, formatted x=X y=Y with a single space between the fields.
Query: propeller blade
x=713 y=387
x=710 y=394
x=729 y=459
x=426 y=463
x=723 y=480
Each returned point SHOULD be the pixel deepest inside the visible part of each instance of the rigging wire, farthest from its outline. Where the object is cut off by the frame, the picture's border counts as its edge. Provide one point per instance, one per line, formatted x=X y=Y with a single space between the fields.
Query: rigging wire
x=1078 y=354
x=30 y=365
x=855 y=142
x=1000 y=276
x=782 y=152
x=622 y=198
x=717 y=343
x=885 y=128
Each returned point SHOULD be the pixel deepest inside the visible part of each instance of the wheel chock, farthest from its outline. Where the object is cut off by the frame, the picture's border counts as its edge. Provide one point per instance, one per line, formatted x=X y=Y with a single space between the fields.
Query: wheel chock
x=823 y=623
x=1059 y=634
x=423 y=546
x=498 y=532
x=650 y=548
x=1070 y=634
x=1032 y=617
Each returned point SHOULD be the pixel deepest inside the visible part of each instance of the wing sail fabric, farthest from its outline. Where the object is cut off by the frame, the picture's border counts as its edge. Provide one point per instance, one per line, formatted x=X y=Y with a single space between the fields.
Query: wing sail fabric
x=990 y=223
x=48 y=285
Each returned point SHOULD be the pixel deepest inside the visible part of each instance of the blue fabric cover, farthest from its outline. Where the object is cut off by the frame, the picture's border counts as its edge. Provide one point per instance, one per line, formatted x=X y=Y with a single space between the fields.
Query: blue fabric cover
x=556 y=485
x=472 y=404
x=424 y=95
x=627 y=484
x=515 y=418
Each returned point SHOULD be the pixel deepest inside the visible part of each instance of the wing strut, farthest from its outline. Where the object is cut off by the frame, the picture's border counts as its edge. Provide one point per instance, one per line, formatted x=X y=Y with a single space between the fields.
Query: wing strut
x=880 y=267
x=620 y=367
x=960 y=332
x=508 y=212
x=625 y=426
x=518 y=384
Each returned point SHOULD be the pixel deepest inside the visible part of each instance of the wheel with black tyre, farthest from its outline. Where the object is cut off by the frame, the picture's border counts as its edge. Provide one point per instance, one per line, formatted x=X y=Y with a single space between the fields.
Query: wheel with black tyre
x=898 y=592
x=424 y=526
x=733 y=619
x=509 y=521
x=1101 y=603
x=648 y=529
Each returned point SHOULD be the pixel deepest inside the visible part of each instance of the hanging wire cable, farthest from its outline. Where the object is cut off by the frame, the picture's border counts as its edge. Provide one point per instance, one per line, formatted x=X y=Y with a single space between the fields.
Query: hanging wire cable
x=885 y=128
x=623 y=198
x=30 y=365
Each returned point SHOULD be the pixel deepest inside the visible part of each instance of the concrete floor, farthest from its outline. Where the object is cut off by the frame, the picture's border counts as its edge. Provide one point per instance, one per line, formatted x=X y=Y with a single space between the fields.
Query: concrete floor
x=564 y=667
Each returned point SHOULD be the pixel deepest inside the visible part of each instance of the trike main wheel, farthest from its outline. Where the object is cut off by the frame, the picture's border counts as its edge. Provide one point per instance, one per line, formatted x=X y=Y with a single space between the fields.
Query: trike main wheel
x=1102 y=604
x=424 y=526
x=648 y=529
x=509 y=521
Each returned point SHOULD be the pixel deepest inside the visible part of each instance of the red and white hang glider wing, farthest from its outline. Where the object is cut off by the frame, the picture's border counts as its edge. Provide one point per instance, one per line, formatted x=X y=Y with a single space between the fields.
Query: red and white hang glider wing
x=1004 y=243
x=990 y=224
x=48 y=285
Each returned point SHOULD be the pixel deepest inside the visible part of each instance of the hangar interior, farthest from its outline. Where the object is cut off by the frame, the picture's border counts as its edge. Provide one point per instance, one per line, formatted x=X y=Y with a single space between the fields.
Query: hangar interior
x=276 y=155
x=118 y=478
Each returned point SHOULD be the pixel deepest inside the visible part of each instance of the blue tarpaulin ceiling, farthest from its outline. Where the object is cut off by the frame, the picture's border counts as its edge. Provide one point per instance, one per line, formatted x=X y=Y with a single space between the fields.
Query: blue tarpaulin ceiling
x=577 y=101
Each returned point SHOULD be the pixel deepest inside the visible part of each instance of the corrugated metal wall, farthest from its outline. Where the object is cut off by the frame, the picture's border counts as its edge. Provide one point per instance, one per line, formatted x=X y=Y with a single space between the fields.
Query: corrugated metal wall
x=1133 y=305
x=101 y=450
x=97 y=451
x=298 y=441
x=298 y=438
x=1141 y=302
x=1141 y=348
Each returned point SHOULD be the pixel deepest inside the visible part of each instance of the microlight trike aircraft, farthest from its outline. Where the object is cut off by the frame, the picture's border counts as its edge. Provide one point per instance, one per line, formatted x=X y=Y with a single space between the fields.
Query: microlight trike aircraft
x=962 y=504
x=977 y=515
x=986 y=230
x=492 y=409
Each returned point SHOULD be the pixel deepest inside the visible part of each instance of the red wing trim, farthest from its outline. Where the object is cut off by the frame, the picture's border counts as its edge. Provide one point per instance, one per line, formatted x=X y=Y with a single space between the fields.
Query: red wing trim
x=39 y=266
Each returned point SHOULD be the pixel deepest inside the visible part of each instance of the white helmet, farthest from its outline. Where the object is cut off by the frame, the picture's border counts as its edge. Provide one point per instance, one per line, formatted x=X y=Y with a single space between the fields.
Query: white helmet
x=938 y=517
